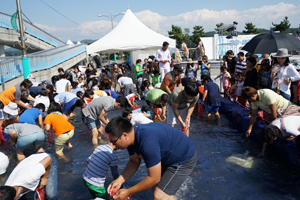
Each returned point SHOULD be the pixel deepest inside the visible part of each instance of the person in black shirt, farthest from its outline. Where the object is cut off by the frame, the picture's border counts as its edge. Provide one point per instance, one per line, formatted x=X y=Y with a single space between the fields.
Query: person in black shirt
x=251 y=75
x=91 y=73
x=231 y=62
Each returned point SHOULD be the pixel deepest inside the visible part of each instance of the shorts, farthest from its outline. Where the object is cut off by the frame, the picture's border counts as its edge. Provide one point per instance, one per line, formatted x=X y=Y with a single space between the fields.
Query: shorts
x=173 y=176
x=35 y=138
x=210 y=109
x=95 y=191
x=69 y=105
x=91 y=123
x=171 y=119
x=61 y=140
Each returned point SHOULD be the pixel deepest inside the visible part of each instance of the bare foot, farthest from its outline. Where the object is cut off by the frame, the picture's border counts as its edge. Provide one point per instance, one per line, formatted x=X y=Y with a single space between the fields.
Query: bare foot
x=63 y=157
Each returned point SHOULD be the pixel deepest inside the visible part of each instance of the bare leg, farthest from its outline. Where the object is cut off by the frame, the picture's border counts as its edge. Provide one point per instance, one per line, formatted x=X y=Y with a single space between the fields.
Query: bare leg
x=158 y=194
x=69 y=145
x=208 y=117
x=39 y=149
x=20 y=155
x=62 y=156
x=13 y=137
x=95 y=136
x=217 y=116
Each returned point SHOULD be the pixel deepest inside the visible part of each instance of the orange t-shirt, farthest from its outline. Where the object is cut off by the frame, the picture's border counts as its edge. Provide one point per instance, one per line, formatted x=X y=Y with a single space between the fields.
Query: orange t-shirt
x=59 y=124
x=8 y=95
x=170 y=80
x=100 y=93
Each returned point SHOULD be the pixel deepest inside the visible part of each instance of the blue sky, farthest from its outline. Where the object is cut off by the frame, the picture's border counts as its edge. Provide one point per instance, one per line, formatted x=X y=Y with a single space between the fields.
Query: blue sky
x=159 y=15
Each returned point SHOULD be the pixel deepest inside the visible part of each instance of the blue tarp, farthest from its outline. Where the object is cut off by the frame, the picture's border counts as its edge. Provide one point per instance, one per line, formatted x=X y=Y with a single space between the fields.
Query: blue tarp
x=284 y=148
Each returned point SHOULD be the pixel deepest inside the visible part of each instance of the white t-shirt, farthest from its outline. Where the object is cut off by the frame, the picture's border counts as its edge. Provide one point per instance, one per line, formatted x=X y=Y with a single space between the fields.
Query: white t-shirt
x=291 y=125
x=4 y=162
x=42 y=99
x=129 y=96
x=139 y=118
x=28 y=172
x=125 y=80
x=61 y=85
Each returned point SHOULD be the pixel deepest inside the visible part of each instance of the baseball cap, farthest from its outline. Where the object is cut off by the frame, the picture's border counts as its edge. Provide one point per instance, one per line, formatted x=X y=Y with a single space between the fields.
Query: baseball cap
x=178 y=68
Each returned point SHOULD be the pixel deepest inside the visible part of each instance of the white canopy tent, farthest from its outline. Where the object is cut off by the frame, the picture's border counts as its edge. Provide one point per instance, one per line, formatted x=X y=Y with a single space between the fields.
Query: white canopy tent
x=129 y=35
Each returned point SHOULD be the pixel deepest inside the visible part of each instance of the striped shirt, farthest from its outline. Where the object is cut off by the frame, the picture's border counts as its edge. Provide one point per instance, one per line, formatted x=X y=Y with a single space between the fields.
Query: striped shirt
x=102 y=158
x=241 y=67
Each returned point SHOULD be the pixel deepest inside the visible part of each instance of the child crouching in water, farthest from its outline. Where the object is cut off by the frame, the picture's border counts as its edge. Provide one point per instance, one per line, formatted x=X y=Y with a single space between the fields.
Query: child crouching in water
x=94 y=176
x=63 y=129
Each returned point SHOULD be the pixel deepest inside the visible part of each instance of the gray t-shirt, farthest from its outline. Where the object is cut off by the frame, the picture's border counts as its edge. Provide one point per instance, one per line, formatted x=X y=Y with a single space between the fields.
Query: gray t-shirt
x=23 y=129
x=177 y=96
x=94 y=108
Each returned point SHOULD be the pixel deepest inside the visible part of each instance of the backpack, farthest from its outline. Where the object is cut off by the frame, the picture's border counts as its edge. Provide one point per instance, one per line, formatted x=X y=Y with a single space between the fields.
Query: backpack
x=292 y=110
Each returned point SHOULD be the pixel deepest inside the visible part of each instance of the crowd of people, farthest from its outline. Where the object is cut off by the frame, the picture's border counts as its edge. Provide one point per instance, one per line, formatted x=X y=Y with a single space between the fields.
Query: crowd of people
x=30 y=115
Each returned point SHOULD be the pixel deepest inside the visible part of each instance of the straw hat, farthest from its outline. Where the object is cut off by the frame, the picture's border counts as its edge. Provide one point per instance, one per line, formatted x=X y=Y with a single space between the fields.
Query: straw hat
x=11 y=108
x=190 y=61
x=283 y=52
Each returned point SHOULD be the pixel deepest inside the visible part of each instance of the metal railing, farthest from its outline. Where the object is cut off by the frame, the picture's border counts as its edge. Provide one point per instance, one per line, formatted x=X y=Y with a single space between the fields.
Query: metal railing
x=32 y=29
x=12 y=67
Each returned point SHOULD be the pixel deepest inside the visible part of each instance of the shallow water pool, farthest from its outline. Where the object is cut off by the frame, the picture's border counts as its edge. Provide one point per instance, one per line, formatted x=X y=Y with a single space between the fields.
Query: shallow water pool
x=240 y=177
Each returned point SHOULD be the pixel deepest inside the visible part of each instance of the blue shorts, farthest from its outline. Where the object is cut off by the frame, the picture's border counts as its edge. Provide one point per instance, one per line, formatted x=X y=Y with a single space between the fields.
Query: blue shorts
x=91 y=123
x=210 y=109
x=36 y=138
x=69 y=105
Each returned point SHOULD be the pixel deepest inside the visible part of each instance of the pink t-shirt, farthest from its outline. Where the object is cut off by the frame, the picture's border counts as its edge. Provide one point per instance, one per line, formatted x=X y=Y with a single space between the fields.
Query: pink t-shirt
x=225 y=80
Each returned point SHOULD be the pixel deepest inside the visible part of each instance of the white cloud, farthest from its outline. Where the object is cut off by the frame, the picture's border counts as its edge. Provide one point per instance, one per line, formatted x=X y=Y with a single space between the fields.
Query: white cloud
x=262 y=17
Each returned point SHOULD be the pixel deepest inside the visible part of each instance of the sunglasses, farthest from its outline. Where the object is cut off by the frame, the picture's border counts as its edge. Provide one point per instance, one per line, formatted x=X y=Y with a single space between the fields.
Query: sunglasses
x=114 y=142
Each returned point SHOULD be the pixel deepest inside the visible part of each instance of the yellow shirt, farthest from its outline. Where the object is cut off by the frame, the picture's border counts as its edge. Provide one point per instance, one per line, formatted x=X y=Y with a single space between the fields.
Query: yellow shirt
x=268 y=97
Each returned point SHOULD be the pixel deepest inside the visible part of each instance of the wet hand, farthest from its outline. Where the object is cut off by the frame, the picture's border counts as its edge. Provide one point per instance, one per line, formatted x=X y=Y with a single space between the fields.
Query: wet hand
x=114 y=186
x=287 y=81
x=187 y=122
x=163 y=117
x=122 y=194
x=261 y=154
x=248 y=132
x=43 y=182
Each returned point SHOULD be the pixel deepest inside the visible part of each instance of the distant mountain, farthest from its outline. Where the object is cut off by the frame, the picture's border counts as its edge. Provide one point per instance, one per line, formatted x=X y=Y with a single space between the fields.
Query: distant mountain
x=87 y=41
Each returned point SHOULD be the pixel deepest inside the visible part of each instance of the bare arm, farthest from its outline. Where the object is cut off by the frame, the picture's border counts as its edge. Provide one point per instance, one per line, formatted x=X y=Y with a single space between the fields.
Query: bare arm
x=40 y=119
x=168 y=89
x=47 y=127
x=177 y=115
x=103 y=118
x=21 y=104
x=252 y=122
x=46 y=162
x=273 y=111
x=130 y=169
x=204 y=95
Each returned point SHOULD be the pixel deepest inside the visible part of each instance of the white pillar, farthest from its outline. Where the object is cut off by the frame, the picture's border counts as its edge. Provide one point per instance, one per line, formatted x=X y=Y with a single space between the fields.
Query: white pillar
x=2 y=52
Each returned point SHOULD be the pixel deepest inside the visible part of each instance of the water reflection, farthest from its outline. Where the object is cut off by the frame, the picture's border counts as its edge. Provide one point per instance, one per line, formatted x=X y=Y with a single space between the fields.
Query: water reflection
x=212 y=178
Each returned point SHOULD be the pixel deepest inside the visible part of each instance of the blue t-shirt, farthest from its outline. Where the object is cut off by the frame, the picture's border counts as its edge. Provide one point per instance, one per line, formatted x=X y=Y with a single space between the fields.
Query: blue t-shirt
x=65 y=97
x=30 y=115
x=213 y=95
x=113 y=93
x=157 y=142
x=35 y=90
x=77 y=90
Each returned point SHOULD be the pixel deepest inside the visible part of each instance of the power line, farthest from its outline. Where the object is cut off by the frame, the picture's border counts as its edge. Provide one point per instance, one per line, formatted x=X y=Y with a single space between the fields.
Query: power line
x=68 y=18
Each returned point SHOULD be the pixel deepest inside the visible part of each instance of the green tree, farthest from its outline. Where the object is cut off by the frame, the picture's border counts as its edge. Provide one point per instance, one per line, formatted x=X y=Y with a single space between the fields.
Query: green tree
x=197 y=34
x=250 y=29
x=218 y=30
x=176 y=33
x=282 y=26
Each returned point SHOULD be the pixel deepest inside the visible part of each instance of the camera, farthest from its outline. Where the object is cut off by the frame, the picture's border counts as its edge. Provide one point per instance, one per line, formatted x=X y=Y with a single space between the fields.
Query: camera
x=199 y=62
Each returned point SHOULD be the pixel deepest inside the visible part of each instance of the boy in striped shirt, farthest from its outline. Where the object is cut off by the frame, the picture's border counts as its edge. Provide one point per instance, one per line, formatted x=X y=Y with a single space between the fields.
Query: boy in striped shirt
x=241 y=65
x=94 y=176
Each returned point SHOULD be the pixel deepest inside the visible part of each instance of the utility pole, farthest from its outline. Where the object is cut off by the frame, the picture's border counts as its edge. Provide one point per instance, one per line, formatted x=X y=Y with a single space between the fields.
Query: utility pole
x=111 y=17
x=25 y=60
